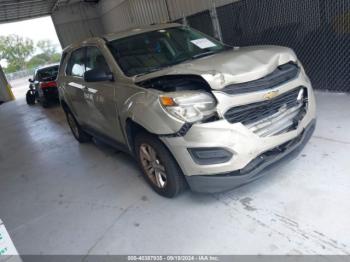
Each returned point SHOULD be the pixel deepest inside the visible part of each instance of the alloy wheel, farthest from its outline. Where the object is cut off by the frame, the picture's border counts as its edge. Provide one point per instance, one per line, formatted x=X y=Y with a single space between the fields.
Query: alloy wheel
x=152 y=166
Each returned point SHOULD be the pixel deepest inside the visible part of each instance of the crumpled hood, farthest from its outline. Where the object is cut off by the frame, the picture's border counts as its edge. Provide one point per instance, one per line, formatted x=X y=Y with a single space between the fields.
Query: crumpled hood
x=230 y=67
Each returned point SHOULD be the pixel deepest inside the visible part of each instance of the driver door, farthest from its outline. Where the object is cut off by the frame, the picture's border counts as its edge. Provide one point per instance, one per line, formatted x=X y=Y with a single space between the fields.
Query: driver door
x=100 y=98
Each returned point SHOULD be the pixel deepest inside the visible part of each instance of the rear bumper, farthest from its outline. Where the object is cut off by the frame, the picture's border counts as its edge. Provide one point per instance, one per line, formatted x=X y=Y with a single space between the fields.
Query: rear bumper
x=227 y=181
x=50 y=93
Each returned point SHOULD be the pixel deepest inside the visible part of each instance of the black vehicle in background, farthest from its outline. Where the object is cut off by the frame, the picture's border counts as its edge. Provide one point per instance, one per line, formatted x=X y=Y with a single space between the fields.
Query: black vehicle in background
x=43 y=87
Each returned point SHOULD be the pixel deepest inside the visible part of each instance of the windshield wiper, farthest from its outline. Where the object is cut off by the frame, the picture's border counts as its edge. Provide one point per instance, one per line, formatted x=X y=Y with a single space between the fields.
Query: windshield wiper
x=181 y=61
x=150 y=71
x=203 y=54
x=210 y=52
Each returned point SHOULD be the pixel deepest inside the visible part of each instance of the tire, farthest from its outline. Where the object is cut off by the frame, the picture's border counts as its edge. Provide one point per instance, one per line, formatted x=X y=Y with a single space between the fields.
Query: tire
x=30 y=97
x=76 y=129
x=172 y=181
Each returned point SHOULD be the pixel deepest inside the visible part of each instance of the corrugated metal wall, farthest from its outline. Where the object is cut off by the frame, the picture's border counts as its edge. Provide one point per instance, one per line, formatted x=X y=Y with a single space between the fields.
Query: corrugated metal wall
x=82 y=20
x=78 y=30
x=140 y=12
x=117 y=18
x=180 y=8
x=77 y=22
x=148 y=11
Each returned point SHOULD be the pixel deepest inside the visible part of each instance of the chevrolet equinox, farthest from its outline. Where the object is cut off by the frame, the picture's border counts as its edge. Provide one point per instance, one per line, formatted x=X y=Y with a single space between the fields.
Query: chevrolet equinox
x=192 y=110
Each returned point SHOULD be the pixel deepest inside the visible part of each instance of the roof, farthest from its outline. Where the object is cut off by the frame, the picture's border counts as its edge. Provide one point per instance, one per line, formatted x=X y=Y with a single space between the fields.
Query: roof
x=138 y=30
x=122 y=34
x=15 y=10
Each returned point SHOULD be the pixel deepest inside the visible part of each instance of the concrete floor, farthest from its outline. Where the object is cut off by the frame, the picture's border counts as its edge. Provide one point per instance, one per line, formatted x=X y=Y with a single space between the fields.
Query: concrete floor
x=59 y=197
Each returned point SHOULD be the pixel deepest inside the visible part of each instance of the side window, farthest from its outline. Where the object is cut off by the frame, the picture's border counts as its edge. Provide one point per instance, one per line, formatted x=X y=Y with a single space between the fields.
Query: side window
x=76 y=65
x=96 y=60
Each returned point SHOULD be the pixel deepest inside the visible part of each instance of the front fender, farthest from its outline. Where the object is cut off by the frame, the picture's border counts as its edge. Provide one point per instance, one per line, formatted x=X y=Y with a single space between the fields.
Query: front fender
x=145 y=109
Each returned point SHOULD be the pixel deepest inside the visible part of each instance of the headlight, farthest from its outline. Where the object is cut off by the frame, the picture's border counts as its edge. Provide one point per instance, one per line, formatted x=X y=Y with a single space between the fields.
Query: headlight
x=189 y=106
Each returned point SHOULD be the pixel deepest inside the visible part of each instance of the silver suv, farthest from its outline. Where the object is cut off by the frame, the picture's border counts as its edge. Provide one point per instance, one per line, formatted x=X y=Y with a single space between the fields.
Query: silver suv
x=190 y=109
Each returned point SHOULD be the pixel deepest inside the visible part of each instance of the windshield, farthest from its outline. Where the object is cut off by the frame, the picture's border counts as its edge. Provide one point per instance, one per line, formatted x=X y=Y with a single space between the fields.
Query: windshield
x=152 y=51
x=48 y=74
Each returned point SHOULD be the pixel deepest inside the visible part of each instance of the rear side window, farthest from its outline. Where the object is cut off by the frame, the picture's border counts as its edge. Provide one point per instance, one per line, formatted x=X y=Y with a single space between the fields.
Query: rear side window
x=76 y=63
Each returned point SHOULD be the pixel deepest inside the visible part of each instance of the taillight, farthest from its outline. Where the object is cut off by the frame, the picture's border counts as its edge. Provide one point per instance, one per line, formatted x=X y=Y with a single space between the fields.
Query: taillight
x=44 y=85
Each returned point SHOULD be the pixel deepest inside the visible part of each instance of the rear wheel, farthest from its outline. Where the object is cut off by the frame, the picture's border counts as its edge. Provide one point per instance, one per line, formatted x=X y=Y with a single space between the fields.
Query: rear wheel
x=159 y=167
x=77 y=131
x=30 y=97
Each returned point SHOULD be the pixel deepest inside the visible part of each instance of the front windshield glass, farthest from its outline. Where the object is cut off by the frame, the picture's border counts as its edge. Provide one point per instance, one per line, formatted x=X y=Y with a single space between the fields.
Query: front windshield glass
x=152 y=51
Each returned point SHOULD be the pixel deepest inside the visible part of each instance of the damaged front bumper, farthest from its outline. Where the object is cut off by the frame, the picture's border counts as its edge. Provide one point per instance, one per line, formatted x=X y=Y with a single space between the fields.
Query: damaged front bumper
x=240 y=153
x=227 y=181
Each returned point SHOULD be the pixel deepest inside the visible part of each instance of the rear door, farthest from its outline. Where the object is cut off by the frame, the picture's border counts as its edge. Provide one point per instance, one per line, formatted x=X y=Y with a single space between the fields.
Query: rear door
x=74 y=85
x=100 y=97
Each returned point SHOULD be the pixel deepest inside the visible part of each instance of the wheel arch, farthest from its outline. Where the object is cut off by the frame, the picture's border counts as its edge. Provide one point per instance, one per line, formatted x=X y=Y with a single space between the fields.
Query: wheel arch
x=64 y=105
x=132 y=128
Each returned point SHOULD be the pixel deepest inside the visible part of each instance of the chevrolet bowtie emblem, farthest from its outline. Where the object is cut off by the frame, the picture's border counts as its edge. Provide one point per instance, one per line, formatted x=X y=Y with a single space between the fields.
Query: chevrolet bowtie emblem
x=271 y=95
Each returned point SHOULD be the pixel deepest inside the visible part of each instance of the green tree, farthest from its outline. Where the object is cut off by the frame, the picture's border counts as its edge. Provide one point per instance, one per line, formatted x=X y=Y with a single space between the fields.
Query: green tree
x=38 y=60
x=15 y=50
x=48 y=55
x=55 y=58
x=47 y=47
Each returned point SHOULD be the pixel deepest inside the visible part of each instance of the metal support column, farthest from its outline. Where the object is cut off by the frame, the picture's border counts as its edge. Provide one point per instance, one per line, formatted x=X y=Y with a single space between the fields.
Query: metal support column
x=215 y=21
x=5 y=89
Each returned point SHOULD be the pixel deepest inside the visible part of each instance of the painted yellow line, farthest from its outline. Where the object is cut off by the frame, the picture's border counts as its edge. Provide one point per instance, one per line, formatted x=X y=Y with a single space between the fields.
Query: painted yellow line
x=9 y=90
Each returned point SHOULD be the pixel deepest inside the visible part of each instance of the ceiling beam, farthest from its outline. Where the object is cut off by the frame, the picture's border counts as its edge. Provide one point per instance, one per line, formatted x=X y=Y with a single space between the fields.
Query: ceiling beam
x=14 y=10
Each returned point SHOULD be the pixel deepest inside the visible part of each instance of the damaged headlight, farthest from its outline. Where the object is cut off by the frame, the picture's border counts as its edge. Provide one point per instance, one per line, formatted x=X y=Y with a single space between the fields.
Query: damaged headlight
x=189 y=106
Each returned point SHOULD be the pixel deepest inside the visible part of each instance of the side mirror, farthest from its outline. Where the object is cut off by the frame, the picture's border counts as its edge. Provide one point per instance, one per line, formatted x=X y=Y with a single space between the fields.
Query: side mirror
x=98 y=75
x=30 y=80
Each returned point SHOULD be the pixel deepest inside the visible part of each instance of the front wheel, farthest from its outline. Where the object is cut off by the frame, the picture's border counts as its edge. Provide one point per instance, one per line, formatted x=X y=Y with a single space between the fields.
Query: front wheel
x=77 y=131
x=159 y=167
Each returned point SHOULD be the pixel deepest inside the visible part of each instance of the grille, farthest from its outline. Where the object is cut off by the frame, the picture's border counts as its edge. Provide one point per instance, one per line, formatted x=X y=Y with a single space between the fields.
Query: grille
x=272 y=117
x=281 y=75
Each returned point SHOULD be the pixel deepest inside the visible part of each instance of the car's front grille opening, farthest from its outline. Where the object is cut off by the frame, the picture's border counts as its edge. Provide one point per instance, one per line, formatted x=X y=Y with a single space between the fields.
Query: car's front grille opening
x=281 y=75
x=272 y=117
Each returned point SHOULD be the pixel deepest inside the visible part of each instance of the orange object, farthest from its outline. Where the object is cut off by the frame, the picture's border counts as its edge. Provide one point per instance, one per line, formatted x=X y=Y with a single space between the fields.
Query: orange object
x=167 y=101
